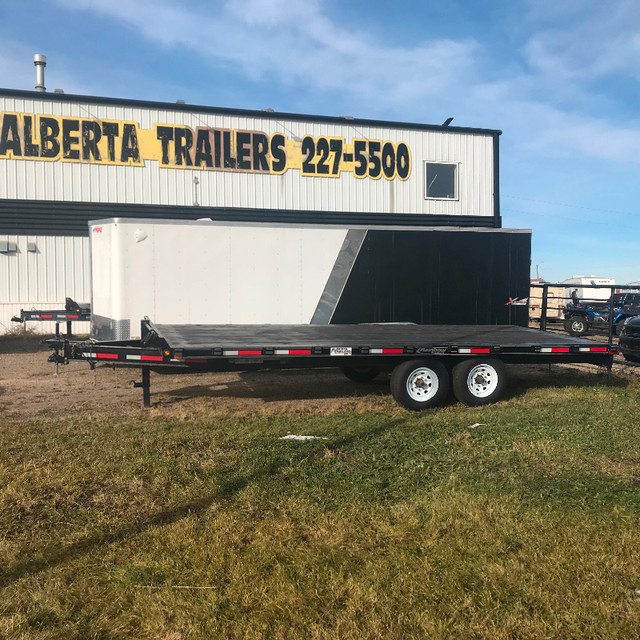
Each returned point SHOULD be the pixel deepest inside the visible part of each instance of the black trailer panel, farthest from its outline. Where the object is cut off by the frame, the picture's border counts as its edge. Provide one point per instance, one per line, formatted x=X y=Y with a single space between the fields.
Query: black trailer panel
x=438 y=278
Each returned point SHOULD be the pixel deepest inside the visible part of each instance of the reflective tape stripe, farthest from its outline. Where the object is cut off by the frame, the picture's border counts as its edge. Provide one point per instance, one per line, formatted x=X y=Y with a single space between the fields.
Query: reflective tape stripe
x=242 y=352
x=555 y=350
x=292 y=352
x=394 y=350
x=595 y=349
x=474 y=350
x=107 y=356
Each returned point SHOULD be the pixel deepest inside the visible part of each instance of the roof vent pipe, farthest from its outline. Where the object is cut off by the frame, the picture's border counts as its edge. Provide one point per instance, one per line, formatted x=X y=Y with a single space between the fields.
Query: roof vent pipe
x=41 y=62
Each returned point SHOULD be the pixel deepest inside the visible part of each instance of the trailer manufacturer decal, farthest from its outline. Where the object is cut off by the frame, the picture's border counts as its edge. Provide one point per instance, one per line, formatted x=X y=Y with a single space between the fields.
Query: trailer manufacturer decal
x=25 y=136
x=340 y=351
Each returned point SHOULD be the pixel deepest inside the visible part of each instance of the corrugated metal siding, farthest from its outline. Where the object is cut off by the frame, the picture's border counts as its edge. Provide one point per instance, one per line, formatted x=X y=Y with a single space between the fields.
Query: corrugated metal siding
x=153 y=185
x=42 y=280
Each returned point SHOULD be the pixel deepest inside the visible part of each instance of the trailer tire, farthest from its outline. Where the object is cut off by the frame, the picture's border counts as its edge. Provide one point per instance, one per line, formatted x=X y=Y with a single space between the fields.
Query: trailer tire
x=478 y=382
x=576 y=326
x=361 y=374
x=420 y=384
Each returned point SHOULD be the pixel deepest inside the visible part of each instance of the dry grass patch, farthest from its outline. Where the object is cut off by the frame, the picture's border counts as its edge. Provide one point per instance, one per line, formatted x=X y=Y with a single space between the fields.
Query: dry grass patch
x=399 y=525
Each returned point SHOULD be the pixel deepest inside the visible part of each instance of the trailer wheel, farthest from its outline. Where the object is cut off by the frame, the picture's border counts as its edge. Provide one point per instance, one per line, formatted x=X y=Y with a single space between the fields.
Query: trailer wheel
x=576 y=325
x=478 y=382
x=361 y=374
x=420 y=384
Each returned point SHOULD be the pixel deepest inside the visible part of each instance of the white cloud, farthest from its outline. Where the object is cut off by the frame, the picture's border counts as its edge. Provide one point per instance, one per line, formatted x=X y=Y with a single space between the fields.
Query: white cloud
x=546 y=108
x=296 y=43
x=592 y=41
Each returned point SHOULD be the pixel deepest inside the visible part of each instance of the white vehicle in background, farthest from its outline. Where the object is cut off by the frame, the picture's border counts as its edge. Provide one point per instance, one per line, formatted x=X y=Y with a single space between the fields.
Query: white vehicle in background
x=584 y=292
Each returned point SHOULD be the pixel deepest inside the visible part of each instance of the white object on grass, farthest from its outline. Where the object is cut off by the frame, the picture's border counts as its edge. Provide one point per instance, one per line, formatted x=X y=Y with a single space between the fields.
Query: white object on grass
x=293 y=437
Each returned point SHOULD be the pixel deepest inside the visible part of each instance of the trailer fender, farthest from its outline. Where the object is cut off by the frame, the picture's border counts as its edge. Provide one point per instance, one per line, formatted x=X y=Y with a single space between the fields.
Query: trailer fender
x=478 y=382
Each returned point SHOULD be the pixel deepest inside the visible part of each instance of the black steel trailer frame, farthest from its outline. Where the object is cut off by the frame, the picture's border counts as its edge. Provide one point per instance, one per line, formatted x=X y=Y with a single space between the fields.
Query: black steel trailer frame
x=423 y=359
x=73 y=312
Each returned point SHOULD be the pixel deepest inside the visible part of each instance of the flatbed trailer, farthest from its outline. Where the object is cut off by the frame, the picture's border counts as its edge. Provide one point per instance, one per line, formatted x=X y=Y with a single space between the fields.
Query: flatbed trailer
x=424 y=360
x=72 y=312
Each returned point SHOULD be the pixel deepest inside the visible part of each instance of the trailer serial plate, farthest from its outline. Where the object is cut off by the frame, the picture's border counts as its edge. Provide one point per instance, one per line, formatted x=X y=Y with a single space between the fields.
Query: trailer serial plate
x=340 y=351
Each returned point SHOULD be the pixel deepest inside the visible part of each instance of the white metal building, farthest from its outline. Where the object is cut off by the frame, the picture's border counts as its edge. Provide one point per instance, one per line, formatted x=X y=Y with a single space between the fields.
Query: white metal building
x=65 y=160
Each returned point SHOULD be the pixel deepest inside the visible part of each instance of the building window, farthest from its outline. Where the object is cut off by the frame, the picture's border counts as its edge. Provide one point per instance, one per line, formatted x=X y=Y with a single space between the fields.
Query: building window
x=441 y=180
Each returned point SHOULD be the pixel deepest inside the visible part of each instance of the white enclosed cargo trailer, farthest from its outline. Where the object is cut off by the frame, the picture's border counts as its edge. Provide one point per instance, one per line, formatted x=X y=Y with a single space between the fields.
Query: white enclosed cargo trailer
x=205 y=272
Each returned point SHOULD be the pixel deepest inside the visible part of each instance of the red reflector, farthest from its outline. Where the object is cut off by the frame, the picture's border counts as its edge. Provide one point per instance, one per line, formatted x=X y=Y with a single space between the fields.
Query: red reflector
x=299 y=352
x=393 y=351
x=154 y=358
x=43 y=316
x=107 y=356
x=199 y=360
x=249 y=353
x=480 y=350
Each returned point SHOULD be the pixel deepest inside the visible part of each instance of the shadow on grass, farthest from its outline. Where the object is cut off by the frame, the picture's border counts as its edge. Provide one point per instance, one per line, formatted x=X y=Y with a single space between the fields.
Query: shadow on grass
x=590 y=491
x=226 y=490
x=522 y=379
x=273 y=386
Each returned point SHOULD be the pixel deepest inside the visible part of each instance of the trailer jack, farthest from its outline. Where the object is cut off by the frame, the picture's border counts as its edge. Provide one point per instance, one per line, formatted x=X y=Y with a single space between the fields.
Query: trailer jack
x=56 y=358
x=145 y=385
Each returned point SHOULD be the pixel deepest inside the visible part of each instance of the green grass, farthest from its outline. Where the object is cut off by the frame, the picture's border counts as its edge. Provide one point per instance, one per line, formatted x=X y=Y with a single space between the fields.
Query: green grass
x=398 y=526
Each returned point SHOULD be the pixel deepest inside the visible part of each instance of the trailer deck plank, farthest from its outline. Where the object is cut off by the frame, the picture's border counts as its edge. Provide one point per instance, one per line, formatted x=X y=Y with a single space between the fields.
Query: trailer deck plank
x=201 y=336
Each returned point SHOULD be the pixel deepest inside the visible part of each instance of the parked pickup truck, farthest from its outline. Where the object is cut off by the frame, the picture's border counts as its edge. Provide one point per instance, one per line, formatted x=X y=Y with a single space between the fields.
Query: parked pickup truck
x=581 y=318
x=630 y=339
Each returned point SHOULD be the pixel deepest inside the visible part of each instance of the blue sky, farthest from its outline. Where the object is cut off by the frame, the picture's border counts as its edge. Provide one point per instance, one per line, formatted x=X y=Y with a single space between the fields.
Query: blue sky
x=560 y=78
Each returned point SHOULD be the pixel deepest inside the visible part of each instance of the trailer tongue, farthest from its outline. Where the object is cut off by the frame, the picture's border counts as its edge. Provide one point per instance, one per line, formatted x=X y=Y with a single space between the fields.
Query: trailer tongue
x=424 y=360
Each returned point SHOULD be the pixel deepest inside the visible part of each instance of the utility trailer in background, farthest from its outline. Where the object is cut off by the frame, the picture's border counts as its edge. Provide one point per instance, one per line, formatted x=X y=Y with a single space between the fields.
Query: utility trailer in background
x=72 y=312
x=424 y=360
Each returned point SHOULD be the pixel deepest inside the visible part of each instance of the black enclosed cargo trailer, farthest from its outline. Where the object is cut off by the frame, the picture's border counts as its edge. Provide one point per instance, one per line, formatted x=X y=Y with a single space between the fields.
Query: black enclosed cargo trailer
x=424 y=360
